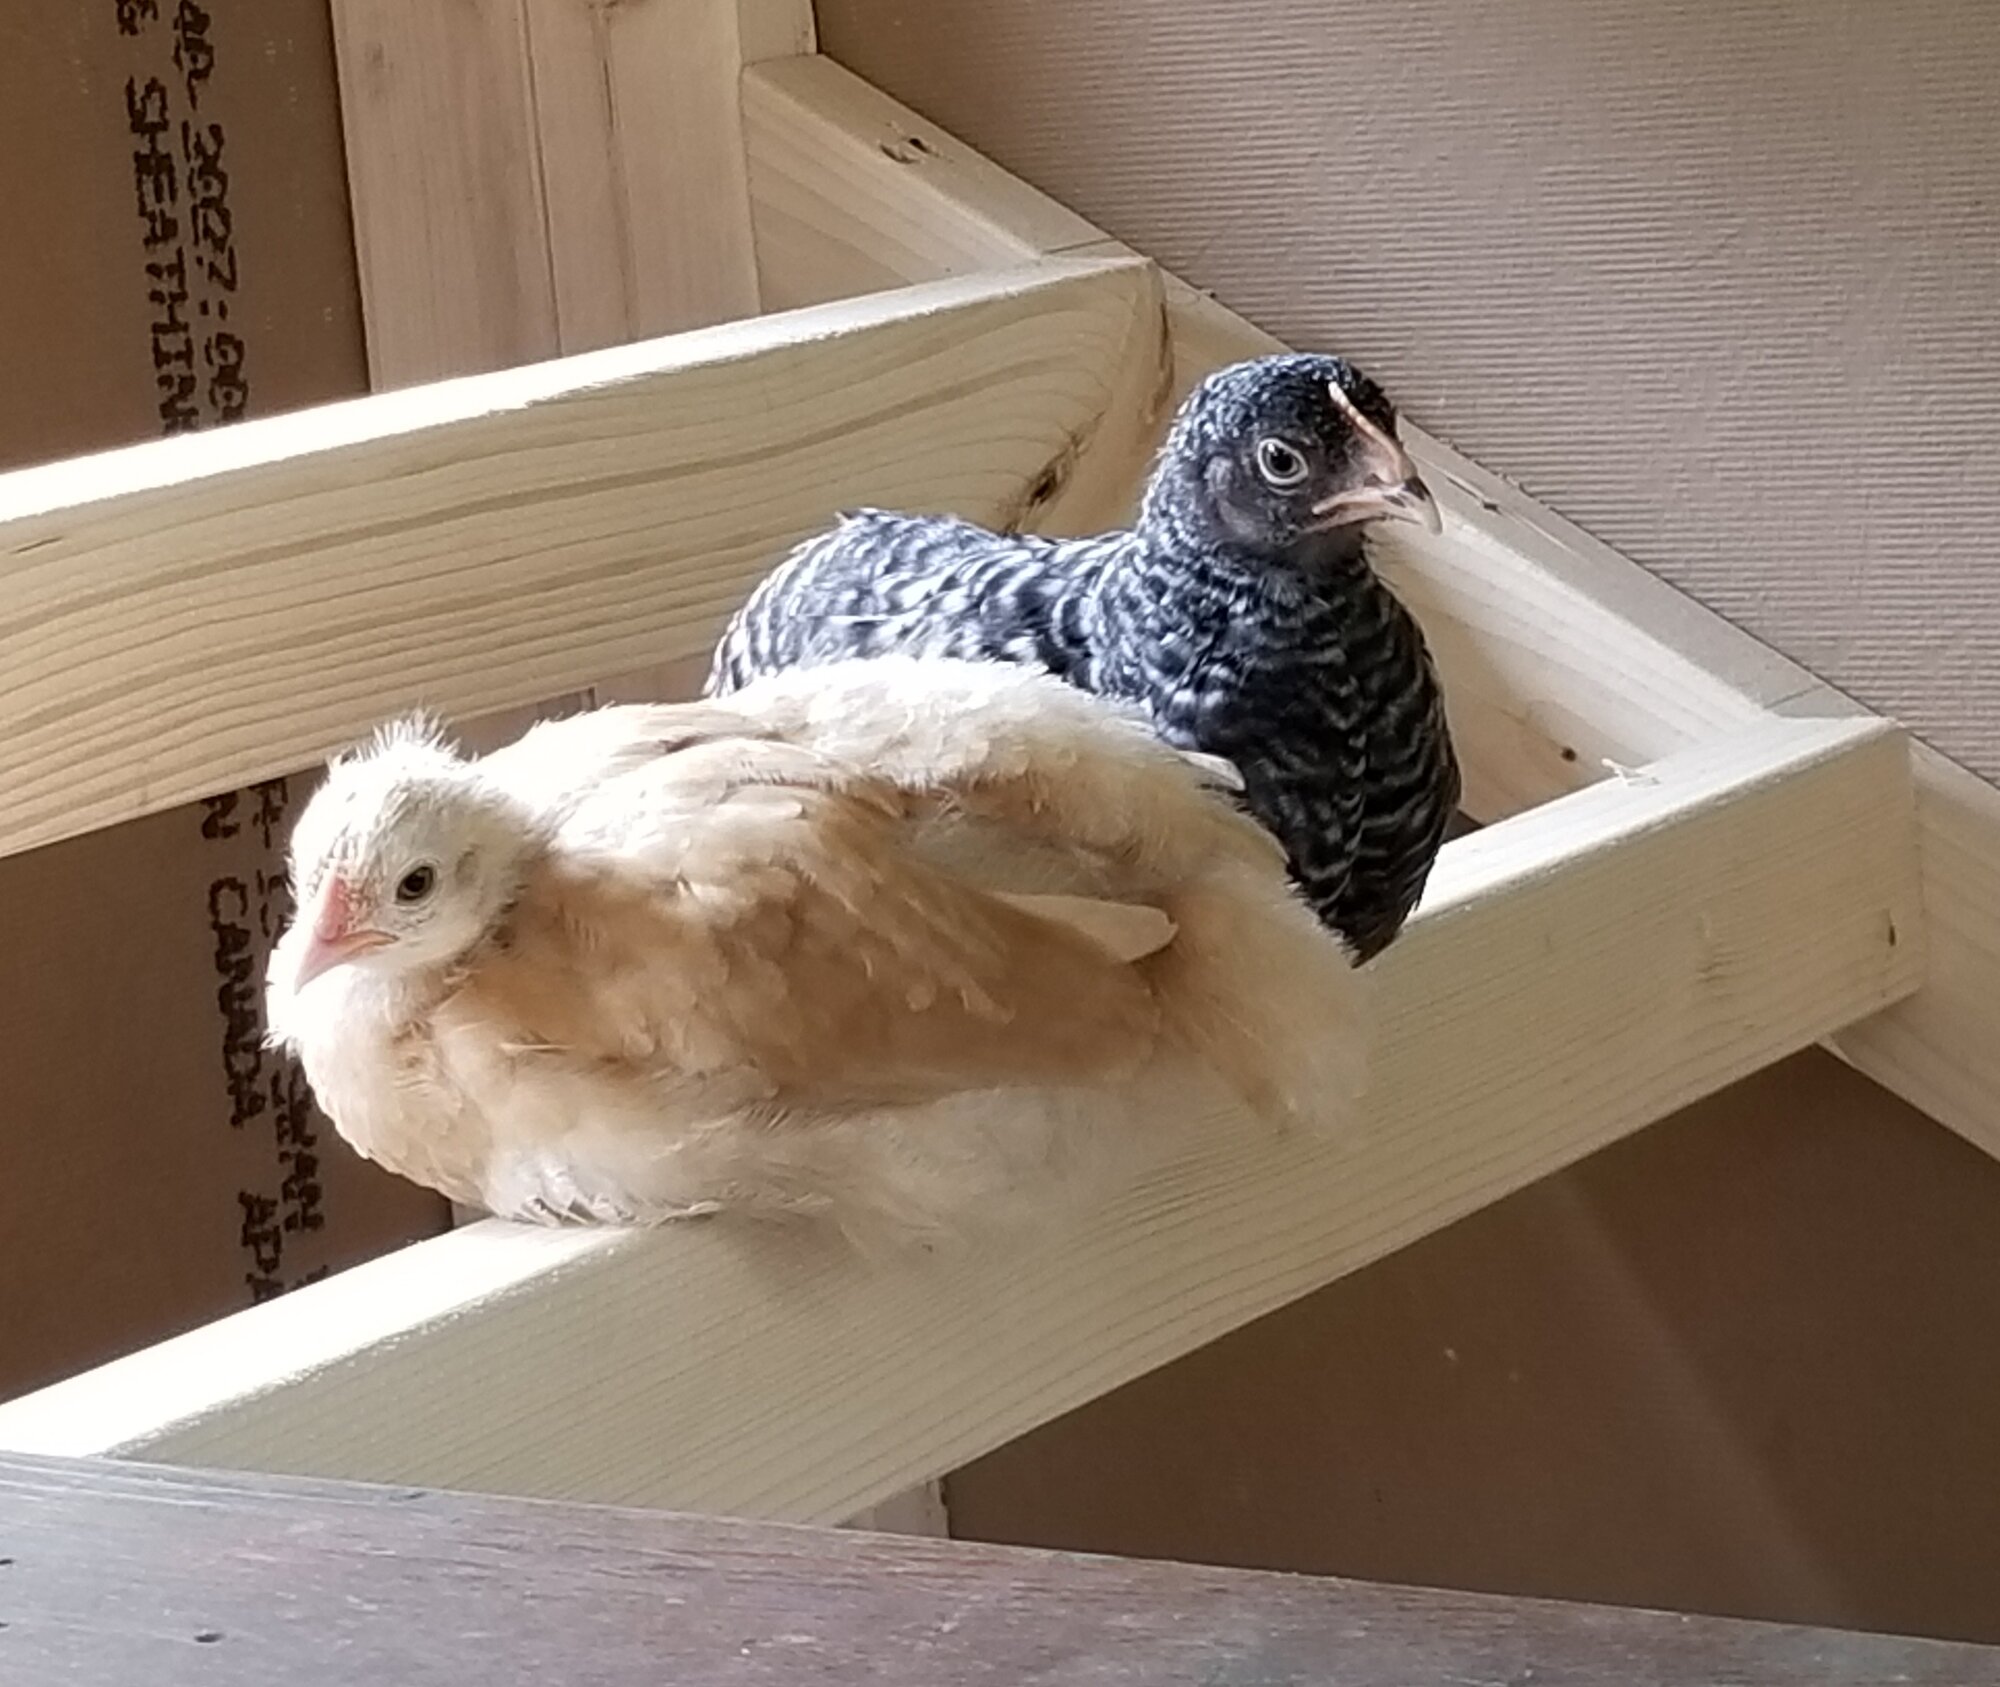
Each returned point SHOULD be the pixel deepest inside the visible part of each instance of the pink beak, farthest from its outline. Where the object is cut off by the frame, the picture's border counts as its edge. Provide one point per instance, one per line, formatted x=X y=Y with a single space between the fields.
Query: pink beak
x=336 y=939
x=1393 y=490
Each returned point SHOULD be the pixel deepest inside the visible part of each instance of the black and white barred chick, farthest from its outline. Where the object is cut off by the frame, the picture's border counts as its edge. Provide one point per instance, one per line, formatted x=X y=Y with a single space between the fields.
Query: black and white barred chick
x=1241 y=612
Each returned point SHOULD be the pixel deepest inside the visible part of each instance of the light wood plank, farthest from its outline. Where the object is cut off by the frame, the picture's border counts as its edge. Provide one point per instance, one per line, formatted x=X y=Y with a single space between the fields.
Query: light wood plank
x=531 y=177
x=916 y=1511
x=193 y=614
x=851 y=192
x=444 y=176
x=642 y=163
x=1939 y=1049
x=1583 y=969
x=1558 y=655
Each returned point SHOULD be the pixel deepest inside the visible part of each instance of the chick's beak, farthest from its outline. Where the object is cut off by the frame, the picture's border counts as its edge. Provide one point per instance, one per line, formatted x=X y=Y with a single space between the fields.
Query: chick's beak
x=1389 y=487
x=1404 y=498
x=337 y=937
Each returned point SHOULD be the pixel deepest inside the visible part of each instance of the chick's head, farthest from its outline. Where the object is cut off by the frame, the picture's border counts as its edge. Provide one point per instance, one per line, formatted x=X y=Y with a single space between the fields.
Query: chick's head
x=403 y=859
x=1290 y=455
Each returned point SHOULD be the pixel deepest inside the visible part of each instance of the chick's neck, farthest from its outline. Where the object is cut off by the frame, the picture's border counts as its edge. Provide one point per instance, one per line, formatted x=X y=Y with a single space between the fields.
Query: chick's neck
x=1173 y=574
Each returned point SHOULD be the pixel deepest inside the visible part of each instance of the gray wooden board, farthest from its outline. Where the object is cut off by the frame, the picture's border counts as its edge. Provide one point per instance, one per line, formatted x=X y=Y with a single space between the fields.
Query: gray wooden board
x=117 y=1575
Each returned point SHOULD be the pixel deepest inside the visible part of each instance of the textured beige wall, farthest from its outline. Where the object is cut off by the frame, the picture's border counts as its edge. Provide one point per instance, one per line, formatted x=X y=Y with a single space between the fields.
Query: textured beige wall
x=1720 y=282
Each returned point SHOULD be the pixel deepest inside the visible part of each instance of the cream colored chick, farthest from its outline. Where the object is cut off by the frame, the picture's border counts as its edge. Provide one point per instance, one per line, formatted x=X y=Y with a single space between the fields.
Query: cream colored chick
x=904 y=944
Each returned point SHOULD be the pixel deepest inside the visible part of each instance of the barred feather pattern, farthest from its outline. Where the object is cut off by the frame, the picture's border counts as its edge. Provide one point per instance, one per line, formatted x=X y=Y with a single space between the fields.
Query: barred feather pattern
x=1310 y=676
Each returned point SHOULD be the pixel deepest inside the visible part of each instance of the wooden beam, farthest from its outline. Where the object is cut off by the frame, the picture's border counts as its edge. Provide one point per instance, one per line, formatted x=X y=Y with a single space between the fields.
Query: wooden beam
x=118 y=1576
x=851 y=192
x=1582 y=970
x=642 y=164
x=916 y=1511
x=192 y=614
x=445 y=187
x=1558 y=655
x=534 y=177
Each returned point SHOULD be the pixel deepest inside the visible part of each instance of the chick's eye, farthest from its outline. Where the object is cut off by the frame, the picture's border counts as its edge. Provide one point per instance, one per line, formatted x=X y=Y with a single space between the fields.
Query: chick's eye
x=416 y=884
x=1282 y=465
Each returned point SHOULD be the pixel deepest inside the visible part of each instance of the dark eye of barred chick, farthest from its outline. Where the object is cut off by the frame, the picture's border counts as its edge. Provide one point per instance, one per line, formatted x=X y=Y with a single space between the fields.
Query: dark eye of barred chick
x=1283 y=466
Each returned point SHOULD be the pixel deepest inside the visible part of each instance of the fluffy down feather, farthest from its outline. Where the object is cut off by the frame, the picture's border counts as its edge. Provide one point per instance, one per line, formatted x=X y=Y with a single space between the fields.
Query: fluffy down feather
x=910 y=945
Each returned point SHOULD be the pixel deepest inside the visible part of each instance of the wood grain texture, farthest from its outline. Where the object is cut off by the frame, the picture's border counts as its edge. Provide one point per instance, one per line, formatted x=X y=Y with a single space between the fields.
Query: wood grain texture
x=1938 y=1049
x=1557 y=653
x=1580 y=971
x=451 y=233
x=535 y=177
x=642 y=166
x=227 y=1582
x=191 y=615
x=850 y=193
